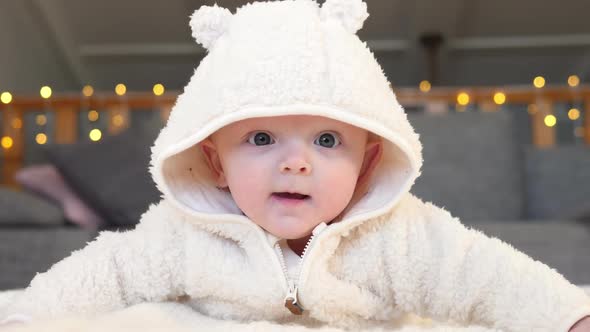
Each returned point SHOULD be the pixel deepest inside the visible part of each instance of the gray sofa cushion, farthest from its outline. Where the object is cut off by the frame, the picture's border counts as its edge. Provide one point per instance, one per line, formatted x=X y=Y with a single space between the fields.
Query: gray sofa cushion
x=558 y=182
x=111 y=175
x=25 y=251
x=22 y=208
x=472 y=164
x=583 y=213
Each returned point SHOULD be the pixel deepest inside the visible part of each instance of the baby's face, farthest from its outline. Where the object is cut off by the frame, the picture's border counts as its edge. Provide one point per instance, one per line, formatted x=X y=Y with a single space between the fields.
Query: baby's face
x=288 y=173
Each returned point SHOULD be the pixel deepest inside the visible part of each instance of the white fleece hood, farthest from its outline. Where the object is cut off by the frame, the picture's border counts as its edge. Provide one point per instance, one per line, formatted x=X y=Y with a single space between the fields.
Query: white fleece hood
x=282 y=58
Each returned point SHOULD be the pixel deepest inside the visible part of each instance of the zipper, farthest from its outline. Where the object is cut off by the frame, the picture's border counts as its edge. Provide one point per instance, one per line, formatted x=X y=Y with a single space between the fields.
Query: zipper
x=291 y=300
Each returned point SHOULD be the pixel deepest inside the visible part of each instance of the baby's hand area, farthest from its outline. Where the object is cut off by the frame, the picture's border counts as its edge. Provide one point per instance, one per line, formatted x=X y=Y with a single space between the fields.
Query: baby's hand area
x=583 y=325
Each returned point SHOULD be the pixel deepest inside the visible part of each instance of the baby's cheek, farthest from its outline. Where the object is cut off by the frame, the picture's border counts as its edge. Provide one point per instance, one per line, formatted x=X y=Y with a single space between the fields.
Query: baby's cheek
x=245 y=173
x=248 y=186
x=337 y=187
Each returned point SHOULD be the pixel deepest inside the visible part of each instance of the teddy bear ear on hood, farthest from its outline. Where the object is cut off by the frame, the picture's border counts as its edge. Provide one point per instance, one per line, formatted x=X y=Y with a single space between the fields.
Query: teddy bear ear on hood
x=208 y=23
x=351 y=13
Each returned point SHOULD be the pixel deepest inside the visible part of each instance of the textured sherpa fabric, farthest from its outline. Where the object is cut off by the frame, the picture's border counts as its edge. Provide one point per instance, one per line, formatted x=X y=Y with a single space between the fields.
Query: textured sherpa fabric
x=173 y=317
x=389 y=257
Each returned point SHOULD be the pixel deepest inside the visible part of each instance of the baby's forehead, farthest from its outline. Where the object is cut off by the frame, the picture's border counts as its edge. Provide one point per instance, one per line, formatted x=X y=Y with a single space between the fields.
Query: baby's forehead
x=289 y=124
x=293 y=121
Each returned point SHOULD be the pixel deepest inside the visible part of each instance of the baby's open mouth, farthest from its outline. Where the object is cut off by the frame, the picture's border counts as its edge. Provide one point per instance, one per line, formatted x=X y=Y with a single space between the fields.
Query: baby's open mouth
x=291 y=195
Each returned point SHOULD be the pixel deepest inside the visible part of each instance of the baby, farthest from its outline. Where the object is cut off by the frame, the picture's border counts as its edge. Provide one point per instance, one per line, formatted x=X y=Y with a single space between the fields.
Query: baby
x=286 y=167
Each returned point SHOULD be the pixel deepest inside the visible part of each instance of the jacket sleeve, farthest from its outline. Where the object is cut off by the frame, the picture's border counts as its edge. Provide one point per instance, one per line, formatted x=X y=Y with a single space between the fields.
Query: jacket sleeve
x=116 y=270
x=443 y=270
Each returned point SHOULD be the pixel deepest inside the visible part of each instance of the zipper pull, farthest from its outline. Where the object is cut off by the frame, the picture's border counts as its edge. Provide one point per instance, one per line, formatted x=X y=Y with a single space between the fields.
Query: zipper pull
x=291 y=300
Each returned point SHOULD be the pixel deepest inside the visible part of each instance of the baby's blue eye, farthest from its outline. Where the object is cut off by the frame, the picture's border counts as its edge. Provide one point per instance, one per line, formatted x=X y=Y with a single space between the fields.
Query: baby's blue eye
x=260 y=138
x=327 y=140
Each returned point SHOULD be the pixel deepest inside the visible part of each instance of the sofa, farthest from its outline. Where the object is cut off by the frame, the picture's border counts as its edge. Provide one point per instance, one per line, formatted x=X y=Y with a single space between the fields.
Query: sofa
x=482 y=167
x=69 y=194
x=477 y=165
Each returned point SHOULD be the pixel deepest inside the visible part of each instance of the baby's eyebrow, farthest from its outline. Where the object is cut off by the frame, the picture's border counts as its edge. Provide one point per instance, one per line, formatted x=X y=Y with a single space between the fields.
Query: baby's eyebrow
x=270 y=131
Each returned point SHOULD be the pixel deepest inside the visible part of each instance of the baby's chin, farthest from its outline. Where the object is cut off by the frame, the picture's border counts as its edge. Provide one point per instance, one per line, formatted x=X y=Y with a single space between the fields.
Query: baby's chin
x=290 y=228
x=290 y=234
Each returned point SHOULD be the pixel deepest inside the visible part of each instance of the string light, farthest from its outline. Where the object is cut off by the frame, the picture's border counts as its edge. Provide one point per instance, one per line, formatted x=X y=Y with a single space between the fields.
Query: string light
x=45 y=92
x=463 y=98
x=93 y=115
x=118 y=120
x=95 y=135
x=539 y=82
x=6 y=142
x=120 y=89
x=88 y=90
x=550 y=120
x=41 y=119
x=6 y=97
x=573 y=81
x=573 y=114
x=499 y=98
x=41 y=138
x=425 y=86
x=158 y=89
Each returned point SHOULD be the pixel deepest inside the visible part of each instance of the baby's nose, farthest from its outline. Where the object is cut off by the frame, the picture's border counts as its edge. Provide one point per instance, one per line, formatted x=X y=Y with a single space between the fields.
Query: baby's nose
x=296 y=166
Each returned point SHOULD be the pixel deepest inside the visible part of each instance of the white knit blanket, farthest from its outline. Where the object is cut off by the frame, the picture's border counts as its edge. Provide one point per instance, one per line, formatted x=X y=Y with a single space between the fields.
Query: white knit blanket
x=176 y=317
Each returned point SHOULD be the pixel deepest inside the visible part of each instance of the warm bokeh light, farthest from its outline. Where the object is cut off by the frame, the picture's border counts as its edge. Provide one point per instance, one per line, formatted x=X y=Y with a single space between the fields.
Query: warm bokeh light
x=573 y=81
x=95 y=134
x=579 y=132
x=6 y=142
x=118 y=120
x=41 y=119
x=41 y=138
x=45 y=92
x=93 y=115
x=463 y=98
x=539 y=82
x=16 y=123
x=159 y=89
x=499 y=98
x=6 y=97
x=425 y=86
x=120 y=89
x=550 y=120
x=573 y=114
x=88 y=90
x=532 y=109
